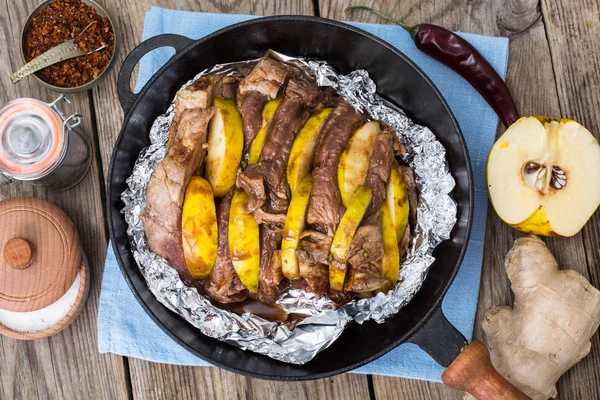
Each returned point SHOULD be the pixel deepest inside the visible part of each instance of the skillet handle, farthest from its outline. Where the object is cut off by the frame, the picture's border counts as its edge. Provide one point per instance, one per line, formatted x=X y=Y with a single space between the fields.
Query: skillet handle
x=473 y=372
x=469 y=367
x=126 y=97
x=439 y=338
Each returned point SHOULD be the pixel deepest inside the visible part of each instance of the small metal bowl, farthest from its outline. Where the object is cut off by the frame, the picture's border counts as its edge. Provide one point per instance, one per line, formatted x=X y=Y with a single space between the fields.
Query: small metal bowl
x=117 y=37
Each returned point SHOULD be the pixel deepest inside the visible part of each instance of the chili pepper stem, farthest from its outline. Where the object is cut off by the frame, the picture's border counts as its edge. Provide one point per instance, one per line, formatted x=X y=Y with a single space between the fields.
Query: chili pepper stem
x=412 y=30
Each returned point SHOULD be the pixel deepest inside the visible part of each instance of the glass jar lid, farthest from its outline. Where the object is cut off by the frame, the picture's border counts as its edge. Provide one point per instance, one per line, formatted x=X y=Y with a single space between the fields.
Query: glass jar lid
x=32 y=139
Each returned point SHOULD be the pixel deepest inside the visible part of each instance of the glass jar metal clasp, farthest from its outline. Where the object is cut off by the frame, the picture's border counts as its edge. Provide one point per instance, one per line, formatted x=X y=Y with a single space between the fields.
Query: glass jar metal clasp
x=71 y=121
x=5 y=178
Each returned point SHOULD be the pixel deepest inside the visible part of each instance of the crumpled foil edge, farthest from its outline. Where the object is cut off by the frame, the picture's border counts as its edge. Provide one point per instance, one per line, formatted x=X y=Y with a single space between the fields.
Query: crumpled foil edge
x=322 y=323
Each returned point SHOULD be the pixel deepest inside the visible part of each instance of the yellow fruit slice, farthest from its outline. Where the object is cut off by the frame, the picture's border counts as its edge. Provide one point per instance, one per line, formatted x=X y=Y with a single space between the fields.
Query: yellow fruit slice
x=354 y=162
x=199 y=228
x=344 y=235
x=300 y=162
x=391 y=255
x=397 y=200
x=244 y=244
x=295 y=223
x=225 y=146
x=259 y=141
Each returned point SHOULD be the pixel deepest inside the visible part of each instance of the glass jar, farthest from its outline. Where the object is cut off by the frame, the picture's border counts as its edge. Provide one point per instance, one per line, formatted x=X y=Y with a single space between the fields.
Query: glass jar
x=41 y=146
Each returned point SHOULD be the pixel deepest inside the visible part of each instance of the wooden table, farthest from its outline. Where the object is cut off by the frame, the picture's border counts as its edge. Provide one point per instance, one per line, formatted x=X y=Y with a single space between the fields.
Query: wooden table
x=554 y=69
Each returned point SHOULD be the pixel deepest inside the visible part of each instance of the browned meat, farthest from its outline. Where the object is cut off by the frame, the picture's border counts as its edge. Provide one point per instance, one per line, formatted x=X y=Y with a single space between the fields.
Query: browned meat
x=184 y=156
x=223 y=284
x=273 y=220
x=198 y=95
x=270 y=265
x=251 y=107
x=251 y=181
x=405 y=241
x=256 y=89
x=227 y=88
x=313 y=260
x=302 y=96
x=325 y=207
x=365 y=258
x=316 y=277
x=379 y=167
x=339 y=298
x=329 y=97
x=411 y=188
x=166 y=190
x=314 y=247
x=399 y=148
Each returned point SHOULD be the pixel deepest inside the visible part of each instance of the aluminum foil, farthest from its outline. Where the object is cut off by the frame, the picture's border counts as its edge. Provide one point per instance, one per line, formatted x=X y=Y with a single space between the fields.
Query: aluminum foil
x=321 y=323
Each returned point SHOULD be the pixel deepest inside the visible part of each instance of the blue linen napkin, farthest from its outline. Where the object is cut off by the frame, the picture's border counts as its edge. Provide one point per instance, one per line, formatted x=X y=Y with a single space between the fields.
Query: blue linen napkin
x=129 y=331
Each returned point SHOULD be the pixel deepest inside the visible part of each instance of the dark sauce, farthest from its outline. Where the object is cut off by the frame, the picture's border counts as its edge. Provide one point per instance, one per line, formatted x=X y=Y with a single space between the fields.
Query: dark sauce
x=266 y=311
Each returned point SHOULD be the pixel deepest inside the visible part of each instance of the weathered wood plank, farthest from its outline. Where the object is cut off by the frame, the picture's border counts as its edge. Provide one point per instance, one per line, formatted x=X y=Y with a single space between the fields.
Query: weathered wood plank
x=532 y=82
x=573 y=30
x=156 y=381
x=68 y=365
x=162 y=381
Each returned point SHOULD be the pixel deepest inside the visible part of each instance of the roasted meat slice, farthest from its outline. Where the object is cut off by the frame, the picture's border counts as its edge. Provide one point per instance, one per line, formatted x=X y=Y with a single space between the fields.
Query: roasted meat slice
x=411 y=188
x=316 y=277
x=365 y=258
x=166 y=189
x=380 y=165
x=325 y=208
x=313 y=248
x=313 y=260
x=270 y=265
x=223 y=284
x=198 y=95
x=273 y=220
x=255 y=90
x=267 y=180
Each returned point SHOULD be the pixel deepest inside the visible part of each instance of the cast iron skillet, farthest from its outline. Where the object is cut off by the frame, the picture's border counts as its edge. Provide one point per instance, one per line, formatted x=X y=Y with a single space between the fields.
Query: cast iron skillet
x=398 y=80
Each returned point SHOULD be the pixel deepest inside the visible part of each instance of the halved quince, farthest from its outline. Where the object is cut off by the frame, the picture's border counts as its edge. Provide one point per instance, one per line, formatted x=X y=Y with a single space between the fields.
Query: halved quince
x=344 y=235
x=391 y=255
x=244 y=242
x=354 y=162
x=543 y=176
x=259 y=141
x=300 y=162
x=199 y=228
x=295 y=222
x=225 y=146
x=397 y=200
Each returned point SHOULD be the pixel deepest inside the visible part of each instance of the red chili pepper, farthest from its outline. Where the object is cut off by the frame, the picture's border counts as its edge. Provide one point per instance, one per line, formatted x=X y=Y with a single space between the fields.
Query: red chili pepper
x=458 y=54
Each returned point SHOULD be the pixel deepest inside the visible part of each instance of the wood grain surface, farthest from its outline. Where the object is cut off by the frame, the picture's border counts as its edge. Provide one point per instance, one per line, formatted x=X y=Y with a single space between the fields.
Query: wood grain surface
x=37 y=283
x=554 y=69
x=65 y=366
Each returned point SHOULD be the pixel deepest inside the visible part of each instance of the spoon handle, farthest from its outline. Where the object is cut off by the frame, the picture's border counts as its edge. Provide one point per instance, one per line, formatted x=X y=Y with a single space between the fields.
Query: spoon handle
x=56 y=54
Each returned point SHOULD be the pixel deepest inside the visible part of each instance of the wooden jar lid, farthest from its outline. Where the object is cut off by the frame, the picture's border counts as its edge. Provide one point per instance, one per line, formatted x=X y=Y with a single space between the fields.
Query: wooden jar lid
x=40 y=254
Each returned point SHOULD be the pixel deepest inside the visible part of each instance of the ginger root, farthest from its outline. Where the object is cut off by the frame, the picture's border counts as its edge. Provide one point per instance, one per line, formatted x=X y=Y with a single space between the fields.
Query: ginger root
x=548 y=329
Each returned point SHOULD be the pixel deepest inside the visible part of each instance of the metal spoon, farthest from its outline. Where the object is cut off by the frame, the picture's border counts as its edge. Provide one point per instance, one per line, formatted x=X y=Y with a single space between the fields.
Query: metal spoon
x=59 y=53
